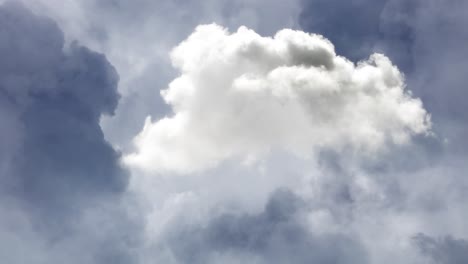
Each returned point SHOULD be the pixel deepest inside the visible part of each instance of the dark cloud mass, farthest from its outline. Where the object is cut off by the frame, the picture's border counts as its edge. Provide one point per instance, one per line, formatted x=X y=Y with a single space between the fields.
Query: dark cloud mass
x=444 y=250
x=54 y=161
x=278 y=234
x=55 y=100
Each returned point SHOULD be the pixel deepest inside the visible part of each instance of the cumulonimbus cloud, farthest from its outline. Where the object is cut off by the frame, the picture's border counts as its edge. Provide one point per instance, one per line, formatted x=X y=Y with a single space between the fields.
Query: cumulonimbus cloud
x=241 y=95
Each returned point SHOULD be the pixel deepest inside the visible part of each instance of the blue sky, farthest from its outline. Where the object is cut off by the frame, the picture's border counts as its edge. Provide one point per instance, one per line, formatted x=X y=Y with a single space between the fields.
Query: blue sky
x=242 y=131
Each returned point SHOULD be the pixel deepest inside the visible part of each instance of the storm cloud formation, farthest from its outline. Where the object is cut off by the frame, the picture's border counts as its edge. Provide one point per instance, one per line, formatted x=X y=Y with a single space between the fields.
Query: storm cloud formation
x=56 y=167
x=339 y=141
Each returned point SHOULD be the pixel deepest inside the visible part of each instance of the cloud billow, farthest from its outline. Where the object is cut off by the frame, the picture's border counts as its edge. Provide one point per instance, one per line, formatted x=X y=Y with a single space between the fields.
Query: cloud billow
x=241 y=95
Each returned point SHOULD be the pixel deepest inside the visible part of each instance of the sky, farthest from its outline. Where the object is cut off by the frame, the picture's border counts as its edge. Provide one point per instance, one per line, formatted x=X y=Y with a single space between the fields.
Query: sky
x=241 y=131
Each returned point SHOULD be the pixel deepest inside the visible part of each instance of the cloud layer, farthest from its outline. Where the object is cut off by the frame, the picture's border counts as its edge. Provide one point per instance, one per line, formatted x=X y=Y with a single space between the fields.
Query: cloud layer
x=241 y=95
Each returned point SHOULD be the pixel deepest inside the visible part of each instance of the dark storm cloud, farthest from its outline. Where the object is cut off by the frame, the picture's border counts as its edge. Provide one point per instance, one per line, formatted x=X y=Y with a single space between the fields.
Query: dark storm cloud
x=443 y=250
x=54 y=100
x=276 y=235
x=55 y=164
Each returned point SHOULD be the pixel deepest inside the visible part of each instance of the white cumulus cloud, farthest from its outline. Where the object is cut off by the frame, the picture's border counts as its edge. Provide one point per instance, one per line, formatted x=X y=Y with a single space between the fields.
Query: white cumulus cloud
x=241 y=96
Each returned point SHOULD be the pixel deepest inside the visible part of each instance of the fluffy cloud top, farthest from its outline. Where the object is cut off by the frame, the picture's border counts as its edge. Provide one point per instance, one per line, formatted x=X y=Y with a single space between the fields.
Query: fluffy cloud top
x=241 y=95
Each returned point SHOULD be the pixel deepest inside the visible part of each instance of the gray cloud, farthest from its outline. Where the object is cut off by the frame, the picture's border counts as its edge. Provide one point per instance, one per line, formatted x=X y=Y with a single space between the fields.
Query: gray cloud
x=57 y=99
x=443 y=250
x=56 y=169
x=278 y=234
